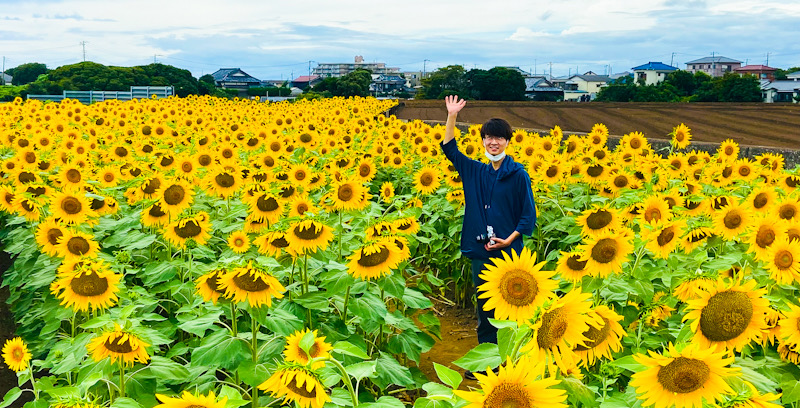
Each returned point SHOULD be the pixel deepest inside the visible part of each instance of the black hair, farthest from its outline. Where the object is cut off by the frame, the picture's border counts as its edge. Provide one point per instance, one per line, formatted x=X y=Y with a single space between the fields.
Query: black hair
x=496 y=127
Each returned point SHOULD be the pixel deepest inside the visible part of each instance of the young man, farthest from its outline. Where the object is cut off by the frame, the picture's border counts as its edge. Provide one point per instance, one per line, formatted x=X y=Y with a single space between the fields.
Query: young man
x=498 y=199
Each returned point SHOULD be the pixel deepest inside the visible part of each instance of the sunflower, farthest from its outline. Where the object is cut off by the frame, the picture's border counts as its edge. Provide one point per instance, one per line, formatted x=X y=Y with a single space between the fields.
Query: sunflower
x=222 y=182
x=695 y=237
x=347 y=195
x=71 y=176
x=298 y=384
x=599 y=220
x=570 y=266
x=250 y=284
x=272 y=243
x=516 y=287
x=239 y=242
x=683 y=378
x=189 y=400
x=26 y=207
x=208 y=286
x=788 y=209
x=751 y=398
x=174 y=196
x=71 y=208
x=407 y=225
x=153 y=216
x=788 y=354
x=655 y=209
x=516 y=385
x=16 y=354
x=265 y=207
x=300 y=174
x=729 y=315
x=605 y=253
x=762 y=198
x=427 y=180
x=789 y=332
x=7 y=195
x=365 y=171
x=300 y=205
x=560 y=328
x=693 y=287
x=731 y=221
x=75 y=244
x=783 y=260
x=86 y=284
x=295 y=353
x=308 y=236
x=766 y=230
x=197 y=228
x=602 y=340
x=728 y=150
x=681 y=136
x=374 y=259
x=118 y=344
x=379 y=229
x=387 y=191
x=664 y=237
x=47 y=234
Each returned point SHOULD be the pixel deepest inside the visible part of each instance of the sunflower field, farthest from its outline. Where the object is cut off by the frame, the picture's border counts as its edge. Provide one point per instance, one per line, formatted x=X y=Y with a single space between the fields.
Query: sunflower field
x=200 y=252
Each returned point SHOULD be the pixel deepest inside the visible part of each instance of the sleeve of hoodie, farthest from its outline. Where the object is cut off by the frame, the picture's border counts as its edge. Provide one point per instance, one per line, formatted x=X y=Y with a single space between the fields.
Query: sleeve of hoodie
x=463 y=164
x=527 y=220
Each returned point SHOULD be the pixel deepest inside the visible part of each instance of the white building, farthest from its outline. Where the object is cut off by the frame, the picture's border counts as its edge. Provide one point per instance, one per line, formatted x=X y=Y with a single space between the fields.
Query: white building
x=652 y=72
x=340 y=69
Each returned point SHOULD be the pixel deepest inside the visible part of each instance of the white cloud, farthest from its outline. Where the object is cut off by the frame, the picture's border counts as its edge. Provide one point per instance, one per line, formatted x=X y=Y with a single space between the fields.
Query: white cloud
x=526 y=34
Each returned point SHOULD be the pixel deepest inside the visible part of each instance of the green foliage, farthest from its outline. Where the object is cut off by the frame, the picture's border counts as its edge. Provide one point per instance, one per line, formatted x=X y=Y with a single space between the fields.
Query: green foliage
x=683 y=86
x=269 y=91
x=8 y=93
x=782 y=73
x=355 y=83
x=496 y=84
x=445 y=81
x=27 y=73
x=730 y=88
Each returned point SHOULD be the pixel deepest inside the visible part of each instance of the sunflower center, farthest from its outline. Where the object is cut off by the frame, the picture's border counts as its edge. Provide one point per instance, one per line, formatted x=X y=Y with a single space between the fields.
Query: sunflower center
x=190 y=229
x=697 y=236
x=78 y=245
x=554 y=325
x=375 y=258
x=760 y=200
x=595 y=336
x=238 y=242
x=53 y=234
x=683 y=375
x=267 y=204
x=18 y=354
x=204 y=160
x=765 y=236
x=552 y=171
x=279 y=242
x=118 y=347
x=605 y=250
x=691 y=205
x=732 y=220
x=224 y=180
x=595 y=171
x=71 y=205
x=155 y=211
x=97 y=204
x=301 y=389
x=726 y=315
x=784 y=259
x=312 y=352
x=167 y=161
x=89 y=284
x=213 y=283
x=250 y=282
x=599 y=219
x=345 y=192
x=73 y=175
x=574 y=263
x=300 y=175
x=404 y=226
x=426 y=179
x=508 y=395
x=309 y=233
x=26 y=177
x=302 y=208
x=787 y=211
x=666 y=236
x=652 y=214
x=174 y=194
x=620 y=181
x=744 y=171
x=305 y=138
x=518 y=288
x=364 y=170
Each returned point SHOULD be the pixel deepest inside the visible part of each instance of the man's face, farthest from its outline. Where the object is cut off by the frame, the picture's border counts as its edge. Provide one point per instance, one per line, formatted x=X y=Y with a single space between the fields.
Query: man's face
x=494 y=144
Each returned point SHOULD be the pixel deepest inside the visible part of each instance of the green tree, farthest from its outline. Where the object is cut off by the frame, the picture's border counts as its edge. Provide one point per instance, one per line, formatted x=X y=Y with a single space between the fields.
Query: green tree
x=739 y=88
x=449 y=80
x=206 y=85
x=683 y=81
x=167 y=75
x=496 y=84
x=622 y=89
x=27 y=73
x=779 y=73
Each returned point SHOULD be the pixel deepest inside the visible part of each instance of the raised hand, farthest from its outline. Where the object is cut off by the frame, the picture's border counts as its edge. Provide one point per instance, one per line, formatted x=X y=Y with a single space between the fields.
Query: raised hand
x=453 y=104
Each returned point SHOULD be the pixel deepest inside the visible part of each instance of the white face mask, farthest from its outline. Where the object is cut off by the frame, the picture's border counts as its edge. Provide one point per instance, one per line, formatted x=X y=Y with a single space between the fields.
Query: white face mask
x=494 y=157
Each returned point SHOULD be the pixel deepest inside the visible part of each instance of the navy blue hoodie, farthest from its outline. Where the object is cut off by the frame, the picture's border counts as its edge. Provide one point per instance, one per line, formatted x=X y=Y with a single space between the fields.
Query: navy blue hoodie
x=501 y=198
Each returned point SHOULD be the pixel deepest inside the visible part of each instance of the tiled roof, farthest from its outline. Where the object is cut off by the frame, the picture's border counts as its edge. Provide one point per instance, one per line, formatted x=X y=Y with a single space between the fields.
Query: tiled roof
x=793 y=75
x=227 y=75
x=782 y=86
x=305 y=78
x=592 y=78
x=755 y=68
x=655 y=66
x=717 y=60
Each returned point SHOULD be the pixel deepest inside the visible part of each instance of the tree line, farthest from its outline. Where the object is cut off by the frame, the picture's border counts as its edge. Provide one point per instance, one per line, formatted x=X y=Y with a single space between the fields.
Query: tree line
x=496 y=84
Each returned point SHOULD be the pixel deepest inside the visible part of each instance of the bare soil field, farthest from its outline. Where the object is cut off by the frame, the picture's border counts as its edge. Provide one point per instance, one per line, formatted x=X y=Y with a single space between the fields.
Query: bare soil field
x=751 y=124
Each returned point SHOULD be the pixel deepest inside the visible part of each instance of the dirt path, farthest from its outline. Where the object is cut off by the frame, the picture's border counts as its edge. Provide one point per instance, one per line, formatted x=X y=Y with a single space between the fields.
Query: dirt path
x=458 y=337
x=752 y=124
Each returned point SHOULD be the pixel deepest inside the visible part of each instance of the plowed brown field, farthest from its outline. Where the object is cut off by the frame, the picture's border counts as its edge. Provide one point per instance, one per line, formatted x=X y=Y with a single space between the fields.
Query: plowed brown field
x=756 y=124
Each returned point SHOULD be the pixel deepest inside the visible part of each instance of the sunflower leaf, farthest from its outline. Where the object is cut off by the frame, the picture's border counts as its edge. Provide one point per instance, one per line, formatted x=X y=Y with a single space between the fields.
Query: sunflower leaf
x=628 y=363
x=307 y=342
x=362 y=370
x=384 y=402
x=791 y=392
x=344 y=347
x=10 y=397
x=426 y=402
x=480 y=357
x=125 y=402
x=448 y=375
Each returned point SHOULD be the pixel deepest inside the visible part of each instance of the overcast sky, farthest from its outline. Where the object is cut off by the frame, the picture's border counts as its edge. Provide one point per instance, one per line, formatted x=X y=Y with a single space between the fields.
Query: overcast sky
x=276 y=39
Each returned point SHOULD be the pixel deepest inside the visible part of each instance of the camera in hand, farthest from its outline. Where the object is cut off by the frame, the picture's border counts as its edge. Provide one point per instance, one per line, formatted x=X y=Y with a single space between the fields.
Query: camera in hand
x=487 y=237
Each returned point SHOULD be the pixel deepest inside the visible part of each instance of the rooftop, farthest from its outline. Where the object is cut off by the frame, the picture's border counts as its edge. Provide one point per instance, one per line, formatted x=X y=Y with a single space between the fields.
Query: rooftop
x=715 y=59
x=655 y=66
x=755 y=68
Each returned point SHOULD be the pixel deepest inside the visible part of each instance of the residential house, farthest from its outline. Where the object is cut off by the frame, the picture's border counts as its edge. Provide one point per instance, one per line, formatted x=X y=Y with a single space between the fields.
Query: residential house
x=6 y=79
x=383 y=84
x=235 y=78
x=794 y=76
x=305 y=81
x=583 y=88
x=652 y=72
x=760 y=71
x=414 y=78
x=714 y=66
x=780 y=91
x=340 y=69
x=276 y=83
x=538 y=88
x=522 y=72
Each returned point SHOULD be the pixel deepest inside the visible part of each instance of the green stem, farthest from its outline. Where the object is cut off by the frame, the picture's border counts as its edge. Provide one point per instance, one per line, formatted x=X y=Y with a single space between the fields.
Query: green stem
x=234 y=329
x=121 y=378
x=254 y=346
x=341 y=232
x=346 y=379
x=33 y=382
x=517 y=345
x=344 y=309
x=638 y=258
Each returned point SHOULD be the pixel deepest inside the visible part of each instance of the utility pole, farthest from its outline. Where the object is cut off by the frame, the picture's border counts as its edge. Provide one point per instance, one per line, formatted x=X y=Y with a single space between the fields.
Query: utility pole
x=423 y=67
x=534 y=67
x=767 y=64
x=551 y=71
x=713 y=64
x=83 y=44
x=3 y=75
x=671 y=60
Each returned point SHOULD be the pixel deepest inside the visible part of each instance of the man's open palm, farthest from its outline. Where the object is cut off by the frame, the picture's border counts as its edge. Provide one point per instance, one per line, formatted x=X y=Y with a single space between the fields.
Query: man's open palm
x=453 y=104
